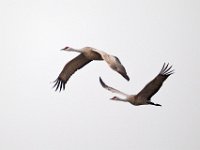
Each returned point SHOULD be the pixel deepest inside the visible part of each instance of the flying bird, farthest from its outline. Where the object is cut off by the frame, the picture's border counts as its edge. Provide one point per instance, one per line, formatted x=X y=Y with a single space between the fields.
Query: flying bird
x=144 y=96
x=87 y=54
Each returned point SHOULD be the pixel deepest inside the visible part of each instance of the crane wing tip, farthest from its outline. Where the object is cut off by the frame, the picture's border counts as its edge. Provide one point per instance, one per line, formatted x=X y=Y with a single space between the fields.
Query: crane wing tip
x=59 y=84
x=127 y=78
x=166 y=69
x=102 y=83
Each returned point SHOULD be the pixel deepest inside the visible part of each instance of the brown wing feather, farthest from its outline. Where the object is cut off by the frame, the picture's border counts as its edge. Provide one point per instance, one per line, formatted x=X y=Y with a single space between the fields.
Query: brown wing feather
x=70 y=68
x=153 y=86
x=122 y=69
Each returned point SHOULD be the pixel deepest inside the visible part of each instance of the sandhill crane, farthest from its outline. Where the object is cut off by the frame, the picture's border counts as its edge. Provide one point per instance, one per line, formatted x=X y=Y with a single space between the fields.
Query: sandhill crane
x=144 y=96
x=87 y=54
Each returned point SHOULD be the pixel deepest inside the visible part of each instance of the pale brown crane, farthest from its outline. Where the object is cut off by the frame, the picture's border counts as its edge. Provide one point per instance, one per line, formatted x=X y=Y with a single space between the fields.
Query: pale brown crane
x=144 y=96
x=87 y=54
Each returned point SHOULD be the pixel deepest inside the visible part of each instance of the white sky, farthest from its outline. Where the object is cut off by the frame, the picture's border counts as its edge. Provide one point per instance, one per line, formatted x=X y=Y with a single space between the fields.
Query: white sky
x=143 y=34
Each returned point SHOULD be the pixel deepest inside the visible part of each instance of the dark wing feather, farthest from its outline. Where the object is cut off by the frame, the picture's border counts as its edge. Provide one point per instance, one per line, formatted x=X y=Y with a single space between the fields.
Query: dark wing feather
x=153 y=86
x=70 y=68
x=120 y=68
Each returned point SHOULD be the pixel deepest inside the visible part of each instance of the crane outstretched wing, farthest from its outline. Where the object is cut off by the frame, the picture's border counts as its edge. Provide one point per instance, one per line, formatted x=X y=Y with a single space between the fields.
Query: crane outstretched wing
x=153 y=86
x=70 y=68
x=114 y=63
x=111 y=88
x=121 y=69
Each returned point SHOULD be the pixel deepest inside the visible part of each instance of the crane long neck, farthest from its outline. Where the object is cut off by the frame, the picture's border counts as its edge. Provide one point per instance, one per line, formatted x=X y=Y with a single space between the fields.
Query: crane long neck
x=74 y=50
x=119 y=99
x=123 y=100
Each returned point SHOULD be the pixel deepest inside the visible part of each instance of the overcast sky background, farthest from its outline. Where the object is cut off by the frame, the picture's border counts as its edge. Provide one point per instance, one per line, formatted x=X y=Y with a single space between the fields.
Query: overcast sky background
x=143 y=34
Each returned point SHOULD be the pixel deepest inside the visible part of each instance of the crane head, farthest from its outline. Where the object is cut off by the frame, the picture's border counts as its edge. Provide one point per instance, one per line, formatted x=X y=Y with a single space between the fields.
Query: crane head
x=65 y=48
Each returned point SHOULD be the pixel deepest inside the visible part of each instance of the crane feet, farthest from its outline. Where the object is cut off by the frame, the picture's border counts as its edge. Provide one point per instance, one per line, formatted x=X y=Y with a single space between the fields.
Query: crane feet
x=151 y=103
